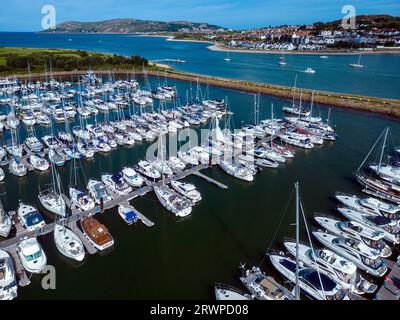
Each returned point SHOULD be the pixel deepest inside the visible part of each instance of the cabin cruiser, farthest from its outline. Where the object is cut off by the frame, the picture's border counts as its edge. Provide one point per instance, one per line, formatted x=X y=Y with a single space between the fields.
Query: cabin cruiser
x=85 y=149
x=356 y=231
x=132 y=178
x=188 y=157
x=314 y=284
x=5 y=223
x=101 y=146
x=173 y=202
x=43 y=119
x=33 y=144
x=32 y=256
x=81 y=200
x=68 y=243
x=65 y=137
x=30 y=217
x=361 y=255
x=389 y=228
x=162 y=167
x=8 y=282
x=340 y=270
x=28 y=119
x=53 y=202
x=15 y=150
x=146 y=169
x=39 y=163
x=309 y=70
x=51 y=142
x=224 y=292
x=186 y=189
x=71 y=152
x=116 y=184
x=128 y=214
x=176 y=164
x=262 y=287
x=56 y=158
x=97 y=234
x=237 y=170
x=17 y=168
x=98 y=191
x=370 y=206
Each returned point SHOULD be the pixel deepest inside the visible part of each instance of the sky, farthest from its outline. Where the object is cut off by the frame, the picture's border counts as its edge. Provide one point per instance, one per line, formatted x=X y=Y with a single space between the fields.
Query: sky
x=25 y=15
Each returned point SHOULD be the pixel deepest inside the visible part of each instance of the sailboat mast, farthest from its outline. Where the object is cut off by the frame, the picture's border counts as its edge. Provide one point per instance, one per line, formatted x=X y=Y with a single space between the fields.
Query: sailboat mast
x=297 y=291
x=294 y=89
x=383 y=149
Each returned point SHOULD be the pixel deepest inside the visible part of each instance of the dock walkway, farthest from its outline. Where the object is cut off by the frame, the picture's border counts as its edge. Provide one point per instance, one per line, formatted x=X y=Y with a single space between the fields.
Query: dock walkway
x=391 y=291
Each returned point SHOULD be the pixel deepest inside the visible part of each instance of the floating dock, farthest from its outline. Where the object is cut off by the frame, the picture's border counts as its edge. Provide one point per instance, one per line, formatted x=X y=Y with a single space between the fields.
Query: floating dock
x=391 y=290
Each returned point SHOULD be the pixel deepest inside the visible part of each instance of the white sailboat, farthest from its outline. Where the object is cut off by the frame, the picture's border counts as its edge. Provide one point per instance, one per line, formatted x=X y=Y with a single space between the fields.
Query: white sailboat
x=5 y=222
x=358 y=64
x=68 y=243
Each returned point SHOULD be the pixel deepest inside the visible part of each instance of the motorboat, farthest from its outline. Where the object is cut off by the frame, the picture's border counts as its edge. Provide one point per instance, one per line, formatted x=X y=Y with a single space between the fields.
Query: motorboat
x=186 y=189
x=188 y=158
x=98 y=191
x=97 y=234
x=147 y=170
x=116 y=183
x=32 y=256
x=224 y=292
x=261 y=286
x=85 y=150
x=51 y=141
x=33 y=144
x=309 y=70
x=340 y=270
x=15 y=150
x=128 y=214
x=361 y=255
x=68 y=243
x=173 y=202
x=8 y=282
x=81 y=199
x=56 y=158
x=357 y=231
x=39 y=163
x=162 y=167
x=101 y=146
x=176 y=164
x=30 y=217
x=389 y=228
x=132 y=177
x=310 y=281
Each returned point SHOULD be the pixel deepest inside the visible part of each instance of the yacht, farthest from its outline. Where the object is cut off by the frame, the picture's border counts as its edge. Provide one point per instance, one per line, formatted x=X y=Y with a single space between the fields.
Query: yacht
x=297 y=140
x=132 y=177
x=379 y=188
x=97 y=234
x=356 y=231
x=262 y=287
x=32 y=256
x=340 y=270
x=101 y=146
x=387 y=172
x=28 y=119
x=98 y=191
x=85 y=150
x=116 y=184
x=8 y=282
x=56 y=158
x=33 y=144
x=81 y=200
x=15 y=150
x=53 y=202
x=51 y=141
x=297 y=110
x=5 y=222
x=188 y=158
x=173 y=202
x=65 y=137
x=186 y=189
x=361 y=255
x=128 y=214
x=369 y=205
x=30 y=217
x=237 y=170
x=176 y=164
x=146 y=169
x=162 y=167
x=68 y=243
x=389 y=228
x=39 y=163
x=314 y=284
x=224 y=292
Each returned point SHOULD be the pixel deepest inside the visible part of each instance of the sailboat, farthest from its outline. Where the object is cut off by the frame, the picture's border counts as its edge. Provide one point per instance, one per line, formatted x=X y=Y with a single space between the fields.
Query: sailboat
x=282 y=60
x=51 y=198
x=358 y=64
x=313 y=283
x=68 y=243
x=227 y=58
x=5 y=222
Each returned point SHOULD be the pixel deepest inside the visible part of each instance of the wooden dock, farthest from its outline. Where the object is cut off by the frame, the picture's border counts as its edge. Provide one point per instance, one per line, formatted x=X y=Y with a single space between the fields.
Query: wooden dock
x=391 y=291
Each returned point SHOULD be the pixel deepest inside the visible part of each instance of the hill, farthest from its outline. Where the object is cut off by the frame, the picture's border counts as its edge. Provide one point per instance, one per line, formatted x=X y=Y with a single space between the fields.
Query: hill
x=365 y=22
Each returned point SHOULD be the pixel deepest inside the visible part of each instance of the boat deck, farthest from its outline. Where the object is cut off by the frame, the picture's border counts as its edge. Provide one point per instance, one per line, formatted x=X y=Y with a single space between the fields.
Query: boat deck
x=89 y=247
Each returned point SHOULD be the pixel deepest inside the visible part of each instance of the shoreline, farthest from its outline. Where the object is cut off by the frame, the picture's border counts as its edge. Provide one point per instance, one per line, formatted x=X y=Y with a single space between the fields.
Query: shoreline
x=377 y=105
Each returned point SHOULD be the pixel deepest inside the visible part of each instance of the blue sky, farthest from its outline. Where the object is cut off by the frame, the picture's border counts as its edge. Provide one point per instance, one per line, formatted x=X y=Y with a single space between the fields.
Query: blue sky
x=25 y=15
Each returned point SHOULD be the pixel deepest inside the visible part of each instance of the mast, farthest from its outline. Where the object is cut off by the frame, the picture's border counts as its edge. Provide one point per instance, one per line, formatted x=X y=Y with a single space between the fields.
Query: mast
x=294 y=89
x=297 y=290
x=383 y=149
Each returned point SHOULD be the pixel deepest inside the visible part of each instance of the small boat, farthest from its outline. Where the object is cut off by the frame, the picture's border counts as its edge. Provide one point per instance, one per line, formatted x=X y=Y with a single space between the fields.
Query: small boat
x=309 y=71
x=98 y=191
x=8 y=282
x=39 y=163
x=81 y=200
x=97 y=234
x=358 y=64
x=116 y=183
x=128 y=214
x=132 y=178
x=282 y=61
x=68 y=243
x=2 y=175
x=323 y=57
x=229 y=293
x=32 y=256
x=30 y=217
x=56 y=158
x=186 y=189
x=176 y=164
x=173 y=202
x=33 y=144
x=5 y=222
x=147 y=170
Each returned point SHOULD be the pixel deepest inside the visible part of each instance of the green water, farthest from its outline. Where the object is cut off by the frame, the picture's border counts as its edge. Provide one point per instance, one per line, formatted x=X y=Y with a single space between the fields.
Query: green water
x=181 y=259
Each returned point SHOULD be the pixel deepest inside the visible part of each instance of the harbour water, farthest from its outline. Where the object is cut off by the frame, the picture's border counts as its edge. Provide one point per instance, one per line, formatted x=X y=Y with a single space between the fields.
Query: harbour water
x=380 y=77
x=181 y=259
